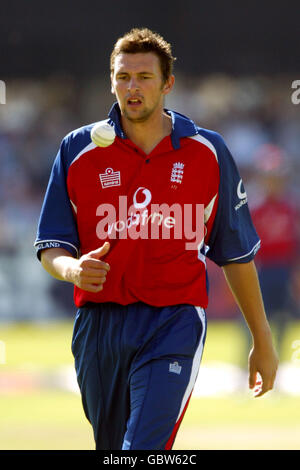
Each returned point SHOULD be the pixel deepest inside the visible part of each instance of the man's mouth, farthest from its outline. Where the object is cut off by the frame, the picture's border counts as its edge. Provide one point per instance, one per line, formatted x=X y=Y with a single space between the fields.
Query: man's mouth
x=134 y=101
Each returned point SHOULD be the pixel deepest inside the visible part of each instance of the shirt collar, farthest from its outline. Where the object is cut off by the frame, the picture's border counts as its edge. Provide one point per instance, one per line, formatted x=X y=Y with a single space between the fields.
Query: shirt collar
x=182 y=126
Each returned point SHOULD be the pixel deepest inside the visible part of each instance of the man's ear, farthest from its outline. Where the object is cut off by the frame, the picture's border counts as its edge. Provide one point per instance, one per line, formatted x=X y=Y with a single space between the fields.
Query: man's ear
x=167 y=88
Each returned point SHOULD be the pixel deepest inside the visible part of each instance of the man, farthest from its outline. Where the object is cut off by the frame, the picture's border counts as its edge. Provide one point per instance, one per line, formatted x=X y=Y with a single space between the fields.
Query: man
x=140 y=327
x=277 y=219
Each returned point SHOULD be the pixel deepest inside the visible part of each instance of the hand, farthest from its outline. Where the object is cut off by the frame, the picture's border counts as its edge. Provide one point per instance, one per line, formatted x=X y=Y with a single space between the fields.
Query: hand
x=89 y=272
x=263 y=364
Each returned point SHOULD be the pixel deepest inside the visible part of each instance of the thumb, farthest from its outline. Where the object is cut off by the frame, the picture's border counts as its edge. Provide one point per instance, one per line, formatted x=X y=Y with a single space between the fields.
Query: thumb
x=252 y=369
x=99 y=252
x=252 y=377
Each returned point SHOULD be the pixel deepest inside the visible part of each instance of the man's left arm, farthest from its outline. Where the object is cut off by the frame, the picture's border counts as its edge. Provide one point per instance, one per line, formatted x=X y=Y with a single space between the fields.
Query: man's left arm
x=243 y=281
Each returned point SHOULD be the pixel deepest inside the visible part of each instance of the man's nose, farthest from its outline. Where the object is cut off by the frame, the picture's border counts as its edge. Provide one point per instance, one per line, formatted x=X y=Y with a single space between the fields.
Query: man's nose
x=133 y=85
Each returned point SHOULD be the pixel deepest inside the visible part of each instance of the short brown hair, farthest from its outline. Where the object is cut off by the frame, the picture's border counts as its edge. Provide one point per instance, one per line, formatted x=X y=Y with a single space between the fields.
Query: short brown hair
x=145 y=40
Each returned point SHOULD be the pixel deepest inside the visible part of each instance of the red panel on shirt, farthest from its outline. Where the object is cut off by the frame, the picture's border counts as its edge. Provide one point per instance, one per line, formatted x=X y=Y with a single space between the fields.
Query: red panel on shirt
x=144 y=268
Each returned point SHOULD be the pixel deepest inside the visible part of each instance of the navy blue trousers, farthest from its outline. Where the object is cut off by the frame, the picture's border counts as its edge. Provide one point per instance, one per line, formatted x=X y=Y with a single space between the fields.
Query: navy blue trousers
x=136 y=368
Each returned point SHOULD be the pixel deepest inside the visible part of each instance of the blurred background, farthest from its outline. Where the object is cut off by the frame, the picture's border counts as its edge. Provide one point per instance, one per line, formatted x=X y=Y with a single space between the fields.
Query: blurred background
x=236 y=72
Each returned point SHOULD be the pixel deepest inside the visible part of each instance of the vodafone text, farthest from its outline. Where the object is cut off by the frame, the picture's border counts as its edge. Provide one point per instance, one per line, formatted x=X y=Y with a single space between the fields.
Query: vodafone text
x=155 y=221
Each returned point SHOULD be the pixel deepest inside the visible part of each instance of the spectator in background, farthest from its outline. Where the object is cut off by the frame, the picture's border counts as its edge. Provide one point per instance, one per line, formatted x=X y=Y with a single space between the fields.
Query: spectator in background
x=276 y=218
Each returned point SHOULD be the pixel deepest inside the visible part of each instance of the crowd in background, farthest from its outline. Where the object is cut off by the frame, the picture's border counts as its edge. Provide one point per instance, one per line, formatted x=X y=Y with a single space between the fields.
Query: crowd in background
x=260 y=125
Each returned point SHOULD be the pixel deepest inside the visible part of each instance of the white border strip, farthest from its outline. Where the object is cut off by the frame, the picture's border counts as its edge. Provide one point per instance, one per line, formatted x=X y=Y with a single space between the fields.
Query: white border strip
x=196 y=362
x=74 y=207
x=58 y=241
x=208 y=209
x=247 y=254
x=203 y=140
x=86 y=149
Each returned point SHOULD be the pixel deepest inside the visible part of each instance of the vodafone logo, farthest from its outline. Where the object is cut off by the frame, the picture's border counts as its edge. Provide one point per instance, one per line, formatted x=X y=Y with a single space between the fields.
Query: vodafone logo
x=142 y=220
x=241 y=194
x=147 y=200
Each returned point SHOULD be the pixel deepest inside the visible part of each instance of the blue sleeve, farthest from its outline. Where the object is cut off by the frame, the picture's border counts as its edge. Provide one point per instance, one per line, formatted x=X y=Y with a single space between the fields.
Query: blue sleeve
x=57 y=226
x=233 y=237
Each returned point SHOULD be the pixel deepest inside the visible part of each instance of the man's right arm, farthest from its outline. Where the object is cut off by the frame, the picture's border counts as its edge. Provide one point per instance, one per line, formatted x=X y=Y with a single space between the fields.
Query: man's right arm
x=88 y=272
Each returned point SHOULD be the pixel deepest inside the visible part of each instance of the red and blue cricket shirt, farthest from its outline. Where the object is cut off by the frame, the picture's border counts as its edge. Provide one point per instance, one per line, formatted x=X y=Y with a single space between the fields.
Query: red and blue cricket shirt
x=91 y=188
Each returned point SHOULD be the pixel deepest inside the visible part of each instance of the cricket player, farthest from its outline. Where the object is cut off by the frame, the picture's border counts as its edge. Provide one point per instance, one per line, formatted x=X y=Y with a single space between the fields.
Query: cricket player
x=130 y=224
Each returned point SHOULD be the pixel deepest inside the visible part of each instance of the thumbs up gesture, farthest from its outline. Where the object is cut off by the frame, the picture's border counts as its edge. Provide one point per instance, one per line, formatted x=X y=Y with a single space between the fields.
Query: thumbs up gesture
x=90 y=271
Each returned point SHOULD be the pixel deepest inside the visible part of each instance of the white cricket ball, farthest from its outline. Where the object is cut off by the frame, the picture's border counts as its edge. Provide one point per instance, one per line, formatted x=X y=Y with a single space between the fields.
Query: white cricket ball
x=103 y=134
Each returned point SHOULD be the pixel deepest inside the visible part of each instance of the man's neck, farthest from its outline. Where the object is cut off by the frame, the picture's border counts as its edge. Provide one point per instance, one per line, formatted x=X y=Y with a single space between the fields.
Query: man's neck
x=147 y=135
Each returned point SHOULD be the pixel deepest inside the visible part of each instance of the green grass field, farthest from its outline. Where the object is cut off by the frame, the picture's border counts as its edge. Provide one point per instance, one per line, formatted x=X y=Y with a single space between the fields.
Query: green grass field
x=35 y=413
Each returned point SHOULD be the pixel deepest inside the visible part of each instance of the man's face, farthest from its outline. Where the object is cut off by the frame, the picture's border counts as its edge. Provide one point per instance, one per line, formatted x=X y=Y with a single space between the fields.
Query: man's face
x=138 y=85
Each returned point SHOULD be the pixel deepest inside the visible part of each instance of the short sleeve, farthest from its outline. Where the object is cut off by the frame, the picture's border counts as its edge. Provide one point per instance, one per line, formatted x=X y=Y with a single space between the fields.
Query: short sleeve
x=57 y=226
x=233 y=237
